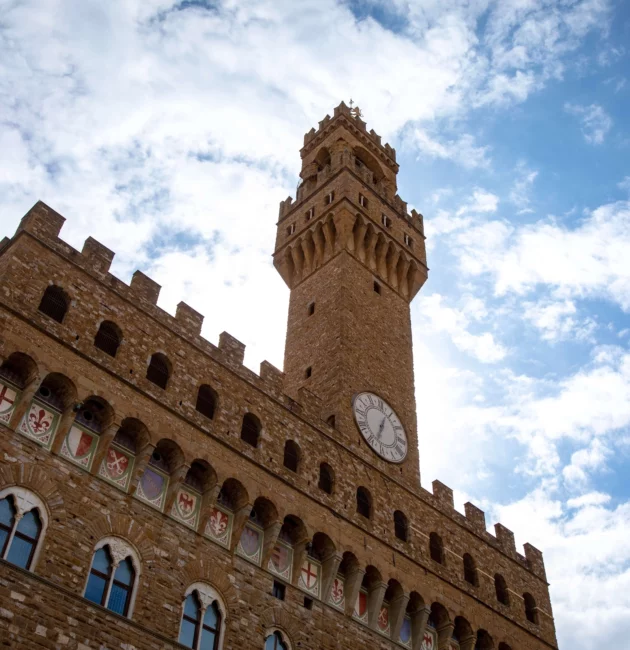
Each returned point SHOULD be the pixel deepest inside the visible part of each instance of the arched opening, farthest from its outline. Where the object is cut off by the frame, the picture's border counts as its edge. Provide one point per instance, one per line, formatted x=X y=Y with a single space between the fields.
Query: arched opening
x=202 y=624
x=108 y=338
x=250 y=429
x=199 y=478
x=484 y=641
x=412 y=619
x=206 y=401
x=326 y=481
x=291 y=456
x=18 y=369
x=531 y=611
x=462 y=630
x=54 y=303
x=436 y=548
x=364 y=502
x=232 y=497
x=322 y=159
x=364 y=159
x=276 y=641
x=22 y=521
x=257 y=529
x=117 y=466
x=159 y=370
x=391 y=601
x=470 y=570
x=153 y=485
x=401 y=526
x=349 y=565
x=371 y=579
x=501 y=589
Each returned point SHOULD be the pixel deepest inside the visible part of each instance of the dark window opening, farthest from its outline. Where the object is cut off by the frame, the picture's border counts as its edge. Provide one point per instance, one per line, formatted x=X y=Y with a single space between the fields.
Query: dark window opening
x=436 y=548
x=330 y=420
x=206 y=401
x=531 y=611
x=291 y=455
x=364 y=503
x=470 y=570
x=326 y=478
x=377 y=287
x=108 y=338
x=308 y=603
x=279 y=590
x=54 y=303
x=309 y=372
x=401 y=527
x=250 y=430
x=311 y=308
x=501 y=589
x=158 y=371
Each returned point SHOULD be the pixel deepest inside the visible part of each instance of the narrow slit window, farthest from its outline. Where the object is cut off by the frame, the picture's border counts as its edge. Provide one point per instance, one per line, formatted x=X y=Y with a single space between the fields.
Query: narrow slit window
x=377 y=288
x=310 y=213
x=311 y=308
x=308 y=372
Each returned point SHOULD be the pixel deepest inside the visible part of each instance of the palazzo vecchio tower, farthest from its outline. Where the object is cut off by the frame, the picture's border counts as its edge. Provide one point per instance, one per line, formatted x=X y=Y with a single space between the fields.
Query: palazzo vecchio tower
x=156 y=493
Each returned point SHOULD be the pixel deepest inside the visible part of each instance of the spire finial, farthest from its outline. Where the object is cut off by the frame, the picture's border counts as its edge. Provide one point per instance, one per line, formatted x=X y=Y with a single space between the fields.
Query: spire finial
x=355 y=111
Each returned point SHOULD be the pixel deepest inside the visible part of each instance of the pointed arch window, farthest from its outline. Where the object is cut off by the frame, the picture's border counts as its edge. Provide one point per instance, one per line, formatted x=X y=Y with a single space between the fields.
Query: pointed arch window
x=54 y=303
x=113 y=577
x=470 y=570
x=364 y=503
x=250 y=429
x=436 y=548
x=202 y=619
x=501 y=589
x=206 y=401
x=531 y=611
x=22 y=522
x=291 y=455
x=326 y=478
x=275 y=641
x=401 y=526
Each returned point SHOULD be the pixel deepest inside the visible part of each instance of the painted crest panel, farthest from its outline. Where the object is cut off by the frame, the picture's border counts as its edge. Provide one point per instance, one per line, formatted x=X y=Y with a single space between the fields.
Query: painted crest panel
x=79 y=446
x=281 y=560
x=429 y=642
x=337 y=596
x=405 y=631
x=310 y=577
x=186 y=507
x=250 y=544
x=117 y=467
x=152 y=488
x=9 y=396
x=219 y=526
x=360 y=607
x=40 y=423
x=383 y=619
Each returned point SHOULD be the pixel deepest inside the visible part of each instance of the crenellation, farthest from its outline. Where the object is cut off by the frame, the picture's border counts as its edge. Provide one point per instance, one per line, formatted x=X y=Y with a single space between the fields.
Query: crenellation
x=190 y=319
x=96 y=256
x=443 y=494
x=43 y=222
x=375 y=136
x=505 y=539
x=476 y=517
x=535 y=561
x=144 y=288
x=233 y=350
x=273 y=377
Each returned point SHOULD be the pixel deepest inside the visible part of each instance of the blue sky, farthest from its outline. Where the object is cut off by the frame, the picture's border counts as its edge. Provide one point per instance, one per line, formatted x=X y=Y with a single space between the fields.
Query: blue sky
x=170 y=132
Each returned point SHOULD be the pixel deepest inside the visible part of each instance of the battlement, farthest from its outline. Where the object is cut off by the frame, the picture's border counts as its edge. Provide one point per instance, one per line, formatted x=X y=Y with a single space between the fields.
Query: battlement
x=44 y=224
x=354 y=120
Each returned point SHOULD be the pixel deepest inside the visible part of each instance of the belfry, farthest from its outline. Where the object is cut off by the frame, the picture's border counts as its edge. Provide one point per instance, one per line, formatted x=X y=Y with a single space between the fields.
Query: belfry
x=157 y=493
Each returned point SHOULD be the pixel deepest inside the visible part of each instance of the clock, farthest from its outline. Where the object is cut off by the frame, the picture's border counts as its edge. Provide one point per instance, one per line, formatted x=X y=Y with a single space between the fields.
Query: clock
x=380 y=426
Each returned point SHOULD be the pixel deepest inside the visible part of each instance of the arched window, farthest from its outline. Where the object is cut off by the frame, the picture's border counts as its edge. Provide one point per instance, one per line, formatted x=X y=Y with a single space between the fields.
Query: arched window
x=291 y=455
x=275 y=641
x=326 y=478
x=364 y=502
x=436 y=548
x=113 y=576
x=531 y=612
x=206 y=401
x=501 y=589
x=54 y=303
x=108 y=338
x=401 y=526
x=20 y=530
x=202 y=619
x=159 y=371
x=470 y=570
x=250 y=430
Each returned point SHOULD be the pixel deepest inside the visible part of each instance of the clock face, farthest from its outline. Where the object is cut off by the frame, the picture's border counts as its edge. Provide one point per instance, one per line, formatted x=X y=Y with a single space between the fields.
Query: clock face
x=380 y=427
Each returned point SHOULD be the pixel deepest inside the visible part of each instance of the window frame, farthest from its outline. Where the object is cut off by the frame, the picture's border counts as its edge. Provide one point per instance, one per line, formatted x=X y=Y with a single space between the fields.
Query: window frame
x=284 y=638
x=119 y=550
x=24 y=501
x=206 y=596
x=61 y=292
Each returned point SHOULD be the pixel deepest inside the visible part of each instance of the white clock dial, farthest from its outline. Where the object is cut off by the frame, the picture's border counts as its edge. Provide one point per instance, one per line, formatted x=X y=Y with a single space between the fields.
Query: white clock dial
x=380 y=426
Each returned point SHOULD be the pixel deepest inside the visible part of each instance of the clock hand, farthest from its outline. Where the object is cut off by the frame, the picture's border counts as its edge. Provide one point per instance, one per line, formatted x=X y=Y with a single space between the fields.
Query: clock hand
x=380 y=429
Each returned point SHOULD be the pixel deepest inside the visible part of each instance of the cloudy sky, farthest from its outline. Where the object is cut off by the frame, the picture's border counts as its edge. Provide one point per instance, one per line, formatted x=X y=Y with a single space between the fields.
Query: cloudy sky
x=170 y=131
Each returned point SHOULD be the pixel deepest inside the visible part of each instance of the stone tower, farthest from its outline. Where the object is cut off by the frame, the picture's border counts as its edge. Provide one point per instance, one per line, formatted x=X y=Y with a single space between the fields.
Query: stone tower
x=354 y=259
x=156 y=493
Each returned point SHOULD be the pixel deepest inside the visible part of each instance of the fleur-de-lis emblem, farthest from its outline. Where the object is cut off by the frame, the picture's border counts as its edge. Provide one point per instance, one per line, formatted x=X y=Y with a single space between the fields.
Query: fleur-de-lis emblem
x=337 y=590
x=219 y=522
x=40 y=422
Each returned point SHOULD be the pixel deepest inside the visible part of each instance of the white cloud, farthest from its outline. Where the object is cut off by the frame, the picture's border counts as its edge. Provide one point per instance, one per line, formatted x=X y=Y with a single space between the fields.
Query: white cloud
x=439 y=317
x=558 y=320
x=624 y=184
x=461 y=150
x=594 y=120
x=481 y=201
x=522 y=187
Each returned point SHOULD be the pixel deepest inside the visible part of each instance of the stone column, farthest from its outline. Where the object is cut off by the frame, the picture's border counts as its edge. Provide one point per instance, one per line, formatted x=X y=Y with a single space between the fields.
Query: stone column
x=445 y=634
x=142 y=460
x=330 y=566
x=397 y=609
x=418 y=626
x=26 y=396
x=104 y=441
x=354 y=579
x=375 y=602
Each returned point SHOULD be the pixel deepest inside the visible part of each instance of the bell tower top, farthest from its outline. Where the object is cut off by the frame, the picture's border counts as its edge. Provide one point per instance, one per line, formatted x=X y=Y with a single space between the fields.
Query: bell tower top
x=354 y=259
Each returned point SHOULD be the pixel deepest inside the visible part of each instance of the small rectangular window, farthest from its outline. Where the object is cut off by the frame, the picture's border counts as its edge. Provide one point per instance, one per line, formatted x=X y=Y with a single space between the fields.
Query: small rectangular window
x=308 y=603
x=363 y=202
x=329 y=198
x=310 y=214
x=279 y=590
x=377 y=287
x=309 y=372
x=386 y=221
x=291 y=229
x=408 y=240
x=311 y=309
